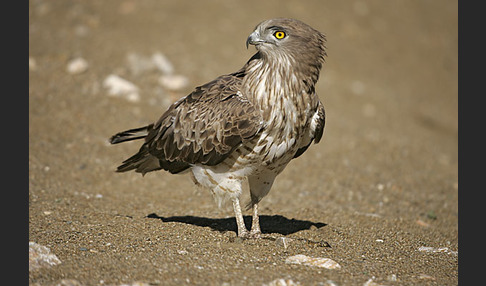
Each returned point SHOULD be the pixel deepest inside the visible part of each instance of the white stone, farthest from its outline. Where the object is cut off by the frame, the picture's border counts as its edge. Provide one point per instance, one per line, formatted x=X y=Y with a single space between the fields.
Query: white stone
x=162 y=63
x=281 y=282
x=370 y=282
x=313 y=261
x=437 y=250
x=120 y=87
x=173 y=82
x=40 y=256
x=32 y=64
x=283 y=241
x=139 y=63
x=77 y=66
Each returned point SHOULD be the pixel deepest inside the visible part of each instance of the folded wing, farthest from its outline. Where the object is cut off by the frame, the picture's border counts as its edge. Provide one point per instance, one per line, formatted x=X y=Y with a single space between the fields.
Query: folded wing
x=201 y=128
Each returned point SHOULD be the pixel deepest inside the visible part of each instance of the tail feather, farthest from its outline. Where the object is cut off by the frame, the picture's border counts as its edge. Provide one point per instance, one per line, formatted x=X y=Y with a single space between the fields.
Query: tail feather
x=142 y=162
x=129 y=135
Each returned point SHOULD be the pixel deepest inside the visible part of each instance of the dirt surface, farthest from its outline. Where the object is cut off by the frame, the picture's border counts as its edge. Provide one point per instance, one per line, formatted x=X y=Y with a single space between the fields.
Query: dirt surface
x=378 y=195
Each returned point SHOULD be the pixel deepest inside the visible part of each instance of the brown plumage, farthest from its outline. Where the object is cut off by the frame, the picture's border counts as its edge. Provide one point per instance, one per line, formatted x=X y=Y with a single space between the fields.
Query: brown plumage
x=247 y=125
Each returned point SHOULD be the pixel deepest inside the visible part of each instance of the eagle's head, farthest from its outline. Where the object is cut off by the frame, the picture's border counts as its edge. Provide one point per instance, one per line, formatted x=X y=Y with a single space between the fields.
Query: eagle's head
x=287 y=35
x=288 y=40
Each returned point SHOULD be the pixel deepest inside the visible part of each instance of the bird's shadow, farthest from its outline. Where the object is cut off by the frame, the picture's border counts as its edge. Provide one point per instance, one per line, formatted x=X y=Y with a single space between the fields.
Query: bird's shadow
x=269 y=224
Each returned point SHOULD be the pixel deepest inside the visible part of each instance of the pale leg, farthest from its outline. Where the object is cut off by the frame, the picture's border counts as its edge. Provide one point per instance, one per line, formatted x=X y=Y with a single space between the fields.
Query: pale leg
x=259 y=187
x=242 y=231
x=255 y=231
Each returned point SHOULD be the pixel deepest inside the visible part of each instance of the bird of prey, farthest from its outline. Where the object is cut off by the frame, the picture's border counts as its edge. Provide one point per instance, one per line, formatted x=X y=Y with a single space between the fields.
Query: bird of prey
x=243 y=126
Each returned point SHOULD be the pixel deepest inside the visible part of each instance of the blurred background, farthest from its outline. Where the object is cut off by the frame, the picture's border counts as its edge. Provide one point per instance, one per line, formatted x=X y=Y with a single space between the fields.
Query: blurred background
x=389 y=84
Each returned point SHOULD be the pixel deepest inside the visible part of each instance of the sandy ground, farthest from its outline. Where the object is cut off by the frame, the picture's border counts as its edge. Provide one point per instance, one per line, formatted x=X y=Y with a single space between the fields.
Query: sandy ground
x=378 y=195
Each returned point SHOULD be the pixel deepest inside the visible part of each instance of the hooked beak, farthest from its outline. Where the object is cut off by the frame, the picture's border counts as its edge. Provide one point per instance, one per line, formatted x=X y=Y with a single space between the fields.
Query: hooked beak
x=254 y=39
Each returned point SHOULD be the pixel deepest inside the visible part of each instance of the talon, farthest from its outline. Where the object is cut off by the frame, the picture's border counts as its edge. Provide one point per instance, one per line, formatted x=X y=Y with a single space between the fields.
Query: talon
x=244 y=234
x=255 y=234
x=250 y=235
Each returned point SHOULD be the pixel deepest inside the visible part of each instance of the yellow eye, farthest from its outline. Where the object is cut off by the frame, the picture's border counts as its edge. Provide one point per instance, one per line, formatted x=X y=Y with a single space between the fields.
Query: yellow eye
x=279 y=35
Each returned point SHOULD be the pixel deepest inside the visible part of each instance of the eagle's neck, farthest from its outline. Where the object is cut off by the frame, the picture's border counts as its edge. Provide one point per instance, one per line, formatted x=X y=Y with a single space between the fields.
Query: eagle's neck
x=282 y=93
x=278 y=87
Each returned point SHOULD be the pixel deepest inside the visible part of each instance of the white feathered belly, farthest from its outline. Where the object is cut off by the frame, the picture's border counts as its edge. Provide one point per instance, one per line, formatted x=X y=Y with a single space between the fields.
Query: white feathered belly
x=267 y=155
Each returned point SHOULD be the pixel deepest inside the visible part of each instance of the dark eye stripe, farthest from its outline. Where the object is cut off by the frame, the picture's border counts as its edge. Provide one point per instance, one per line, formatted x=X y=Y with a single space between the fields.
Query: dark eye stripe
x=277 y=28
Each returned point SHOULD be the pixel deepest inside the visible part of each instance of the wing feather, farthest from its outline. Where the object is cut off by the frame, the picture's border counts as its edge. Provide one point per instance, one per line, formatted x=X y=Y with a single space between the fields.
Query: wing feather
x=205 y=126
x=316 y=128
x=320 y=121
x=202 y=128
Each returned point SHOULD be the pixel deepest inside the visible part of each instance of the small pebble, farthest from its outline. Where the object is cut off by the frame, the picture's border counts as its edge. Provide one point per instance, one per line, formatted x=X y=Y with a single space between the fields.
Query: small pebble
x=136 y=283
x=40 y=256
x=392 y=277
x=32 y=64
x=283 y=241
x=162 y=63
x=437 y=250
x=281 y=282
x=173 y=82
x=139 y=64
x=313 y=261
x=330 y=283
x=68 y=282
x=426 y=277
x=77 y=66
x=422 y=223
x=120 y=87
x=370 y=282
